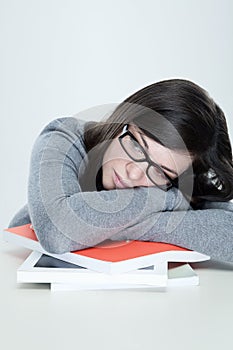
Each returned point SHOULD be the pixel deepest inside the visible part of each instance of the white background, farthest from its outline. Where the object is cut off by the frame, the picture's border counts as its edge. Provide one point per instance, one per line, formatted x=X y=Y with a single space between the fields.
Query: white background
x=59 y=57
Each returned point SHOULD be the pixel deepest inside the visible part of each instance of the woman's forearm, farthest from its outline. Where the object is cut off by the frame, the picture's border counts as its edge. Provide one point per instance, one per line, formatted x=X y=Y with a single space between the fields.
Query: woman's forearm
x=208 y=231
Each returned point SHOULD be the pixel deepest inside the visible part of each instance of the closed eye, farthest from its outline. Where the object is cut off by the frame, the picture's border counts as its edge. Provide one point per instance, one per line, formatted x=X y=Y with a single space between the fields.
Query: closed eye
x=136 y=146
x=173 y=172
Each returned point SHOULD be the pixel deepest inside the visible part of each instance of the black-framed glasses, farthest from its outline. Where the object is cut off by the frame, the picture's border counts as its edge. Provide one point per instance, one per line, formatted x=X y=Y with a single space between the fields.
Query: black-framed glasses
x=138 y=154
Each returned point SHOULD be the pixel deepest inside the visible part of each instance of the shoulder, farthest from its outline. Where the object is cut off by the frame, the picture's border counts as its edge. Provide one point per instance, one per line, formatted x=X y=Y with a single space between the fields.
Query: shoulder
x=64 y=130
x=66 y=124
x=62 y=135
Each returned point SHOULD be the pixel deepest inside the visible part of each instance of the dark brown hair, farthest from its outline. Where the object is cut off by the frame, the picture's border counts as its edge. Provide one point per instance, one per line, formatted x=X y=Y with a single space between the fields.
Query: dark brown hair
x=178 y=114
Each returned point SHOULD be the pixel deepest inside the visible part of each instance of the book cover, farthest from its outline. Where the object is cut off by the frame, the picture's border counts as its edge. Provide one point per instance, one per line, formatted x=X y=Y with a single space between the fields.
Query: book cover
x=110 y=256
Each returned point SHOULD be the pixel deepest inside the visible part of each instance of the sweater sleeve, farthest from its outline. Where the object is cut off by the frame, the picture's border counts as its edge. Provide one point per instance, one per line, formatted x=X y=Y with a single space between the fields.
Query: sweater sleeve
x=65 y=218
x=208 y=231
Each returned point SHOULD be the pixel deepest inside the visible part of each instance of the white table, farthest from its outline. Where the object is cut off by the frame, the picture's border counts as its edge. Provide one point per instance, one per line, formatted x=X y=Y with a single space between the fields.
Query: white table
x=181 y=318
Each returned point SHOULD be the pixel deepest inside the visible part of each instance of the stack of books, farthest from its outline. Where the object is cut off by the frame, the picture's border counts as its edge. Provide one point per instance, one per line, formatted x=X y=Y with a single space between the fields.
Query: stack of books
x=110 y=265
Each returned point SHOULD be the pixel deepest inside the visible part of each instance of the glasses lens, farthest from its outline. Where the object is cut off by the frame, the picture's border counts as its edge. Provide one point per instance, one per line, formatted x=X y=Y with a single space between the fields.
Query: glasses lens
x=157 y=176
x=136 y=152
x=133 y=148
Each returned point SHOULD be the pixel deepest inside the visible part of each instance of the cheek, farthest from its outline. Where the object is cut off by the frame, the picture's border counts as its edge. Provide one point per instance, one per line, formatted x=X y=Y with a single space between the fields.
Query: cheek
x=112 y=164
x=114 y=153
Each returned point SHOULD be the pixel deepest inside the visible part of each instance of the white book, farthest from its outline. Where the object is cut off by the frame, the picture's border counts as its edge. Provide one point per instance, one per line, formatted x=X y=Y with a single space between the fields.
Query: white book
x=38 y=268
x=180 y=276
x=34 y=270
x=110 y=257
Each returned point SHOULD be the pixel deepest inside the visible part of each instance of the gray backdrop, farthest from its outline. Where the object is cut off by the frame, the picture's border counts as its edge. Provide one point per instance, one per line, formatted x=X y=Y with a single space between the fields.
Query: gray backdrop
x=59 y=57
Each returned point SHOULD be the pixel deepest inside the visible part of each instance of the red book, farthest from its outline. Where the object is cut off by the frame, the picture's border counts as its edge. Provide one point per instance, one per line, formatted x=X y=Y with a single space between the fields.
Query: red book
x=110 y=256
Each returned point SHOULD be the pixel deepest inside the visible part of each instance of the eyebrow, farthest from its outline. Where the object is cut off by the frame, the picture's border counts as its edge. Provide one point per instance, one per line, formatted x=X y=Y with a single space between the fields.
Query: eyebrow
x=162 y=166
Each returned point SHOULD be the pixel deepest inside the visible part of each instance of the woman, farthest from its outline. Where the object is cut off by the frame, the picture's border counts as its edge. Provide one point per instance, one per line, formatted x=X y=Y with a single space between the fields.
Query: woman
x=158 y=169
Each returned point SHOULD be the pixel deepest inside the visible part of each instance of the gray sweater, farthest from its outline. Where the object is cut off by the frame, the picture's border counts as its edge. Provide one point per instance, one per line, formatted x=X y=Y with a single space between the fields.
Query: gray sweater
x=65 y=218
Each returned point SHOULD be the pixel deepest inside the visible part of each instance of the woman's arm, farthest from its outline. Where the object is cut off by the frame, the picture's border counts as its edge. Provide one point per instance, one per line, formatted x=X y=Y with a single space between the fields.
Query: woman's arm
x=208 y=231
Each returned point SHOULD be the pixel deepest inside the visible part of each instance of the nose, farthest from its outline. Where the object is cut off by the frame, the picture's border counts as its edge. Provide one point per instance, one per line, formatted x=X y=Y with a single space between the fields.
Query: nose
x=136 y=172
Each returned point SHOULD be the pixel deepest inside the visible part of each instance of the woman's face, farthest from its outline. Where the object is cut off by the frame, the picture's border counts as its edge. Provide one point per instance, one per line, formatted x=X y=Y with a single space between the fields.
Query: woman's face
x=120 y=171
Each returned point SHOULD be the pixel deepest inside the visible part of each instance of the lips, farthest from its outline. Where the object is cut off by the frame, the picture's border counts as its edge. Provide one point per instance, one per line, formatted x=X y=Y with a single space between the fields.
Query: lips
x=119 y=183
